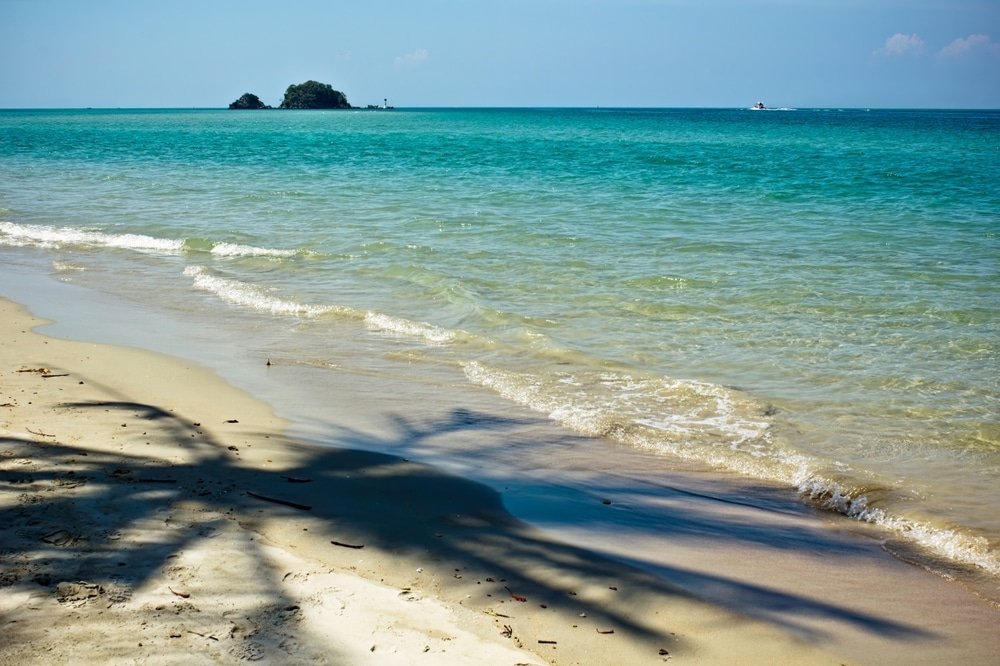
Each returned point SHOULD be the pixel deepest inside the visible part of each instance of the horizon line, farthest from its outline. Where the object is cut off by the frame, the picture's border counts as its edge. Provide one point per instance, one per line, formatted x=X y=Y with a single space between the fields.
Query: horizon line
x=488 y=107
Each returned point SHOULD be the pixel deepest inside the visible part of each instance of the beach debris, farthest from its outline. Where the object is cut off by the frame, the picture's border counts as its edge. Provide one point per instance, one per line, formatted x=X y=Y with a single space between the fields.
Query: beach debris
x=508 y=631
x=196 y=633
x=233 y=448
x=605 y=501
x=613 y=588
x=545 y=642
x=348 y=545
x=183 y=594
x=605 y=631
x=295 y=479
x=231 y=421
x=59 y=538
x=515 y=597
x=276 y=500
x=39 y=433
x=44 y=373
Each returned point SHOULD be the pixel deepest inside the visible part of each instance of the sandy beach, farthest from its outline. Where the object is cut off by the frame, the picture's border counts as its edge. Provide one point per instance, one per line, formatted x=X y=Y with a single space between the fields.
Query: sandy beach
x=152 y=513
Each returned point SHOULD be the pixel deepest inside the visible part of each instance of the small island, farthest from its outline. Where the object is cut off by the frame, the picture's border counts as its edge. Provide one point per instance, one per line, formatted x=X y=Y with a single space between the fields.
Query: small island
x=308 y=95
x=314 y=95
x=249 y=101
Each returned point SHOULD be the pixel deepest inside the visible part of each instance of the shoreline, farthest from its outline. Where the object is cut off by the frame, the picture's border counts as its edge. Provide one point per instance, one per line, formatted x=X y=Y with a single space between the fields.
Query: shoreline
x=143 y=494
x=130 y=496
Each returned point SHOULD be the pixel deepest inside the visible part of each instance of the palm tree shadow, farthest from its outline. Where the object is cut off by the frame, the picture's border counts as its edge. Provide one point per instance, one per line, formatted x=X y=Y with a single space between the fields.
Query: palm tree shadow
x=352 y=496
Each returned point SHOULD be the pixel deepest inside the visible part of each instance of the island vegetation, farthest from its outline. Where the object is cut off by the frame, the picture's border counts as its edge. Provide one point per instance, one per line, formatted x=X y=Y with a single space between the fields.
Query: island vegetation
x=314 y=95
x=249 y=101
x=308 y=95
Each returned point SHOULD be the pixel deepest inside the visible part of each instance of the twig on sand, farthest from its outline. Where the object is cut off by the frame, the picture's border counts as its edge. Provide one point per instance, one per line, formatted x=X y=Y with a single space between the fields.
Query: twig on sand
x=39 y=433
x=196 y=633
x=294 y=505
x=348 y=545
x=515 y=597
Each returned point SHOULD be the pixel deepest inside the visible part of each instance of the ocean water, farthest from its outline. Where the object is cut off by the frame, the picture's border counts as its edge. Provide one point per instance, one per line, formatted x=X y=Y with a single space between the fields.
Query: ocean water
x=807 y=297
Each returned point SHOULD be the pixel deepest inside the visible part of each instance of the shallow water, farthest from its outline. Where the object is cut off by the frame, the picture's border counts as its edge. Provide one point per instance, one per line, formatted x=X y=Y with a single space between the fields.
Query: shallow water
x=806 y=297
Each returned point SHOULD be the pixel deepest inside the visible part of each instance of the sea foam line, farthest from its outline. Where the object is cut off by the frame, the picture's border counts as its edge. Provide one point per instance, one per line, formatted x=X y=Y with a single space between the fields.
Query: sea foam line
x=254 y=297
x=701 y=422
x=23 y=235
x=407 y=327
x=237 y=250
x=262 y=299
x=46 y=236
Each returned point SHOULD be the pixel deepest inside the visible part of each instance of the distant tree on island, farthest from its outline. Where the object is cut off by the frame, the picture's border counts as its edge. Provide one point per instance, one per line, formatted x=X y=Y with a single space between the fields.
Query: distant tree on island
x=249 y=101
x=314 y=95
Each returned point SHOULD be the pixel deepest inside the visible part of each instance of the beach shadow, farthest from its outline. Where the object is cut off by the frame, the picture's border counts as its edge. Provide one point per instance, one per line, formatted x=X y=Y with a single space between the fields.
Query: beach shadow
x=355 y=498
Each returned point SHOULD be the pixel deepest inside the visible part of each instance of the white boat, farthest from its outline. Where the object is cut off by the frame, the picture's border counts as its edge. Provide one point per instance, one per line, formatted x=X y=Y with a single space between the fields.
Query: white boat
x=759 y=106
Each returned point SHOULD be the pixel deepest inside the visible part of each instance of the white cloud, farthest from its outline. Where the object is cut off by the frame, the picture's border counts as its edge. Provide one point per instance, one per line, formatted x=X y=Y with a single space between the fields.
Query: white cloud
x=900 y=44
x=411 y=60
x=963 y=45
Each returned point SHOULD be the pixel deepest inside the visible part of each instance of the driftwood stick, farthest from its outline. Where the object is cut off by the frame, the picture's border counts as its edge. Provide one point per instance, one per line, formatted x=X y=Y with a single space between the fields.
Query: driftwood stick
x=295 y=479
x=347 y=545
x=294 y=505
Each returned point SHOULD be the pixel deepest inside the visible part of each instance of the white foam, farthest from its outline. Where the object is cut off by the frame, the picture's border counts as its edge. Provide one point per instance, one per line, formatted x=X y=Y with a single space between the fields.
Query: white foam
x=946 y=543
x=46 y=236
x=252 y=296
x=703 y=423
x=406 y=327
x=237 y=250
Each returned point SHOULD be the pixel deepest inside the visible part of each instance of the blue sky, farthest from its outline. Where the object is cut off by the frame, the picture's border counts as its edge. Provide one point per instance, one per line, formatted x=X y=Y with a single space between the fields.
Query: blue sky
x=652 y=53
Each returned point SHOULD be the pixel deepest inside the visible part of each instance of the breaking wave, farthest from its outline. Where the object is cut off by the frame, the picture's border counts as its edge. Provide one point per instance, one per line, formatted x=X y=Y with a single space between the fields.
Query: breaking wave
x=24 y=235
x=717 y=426
x=50 y=237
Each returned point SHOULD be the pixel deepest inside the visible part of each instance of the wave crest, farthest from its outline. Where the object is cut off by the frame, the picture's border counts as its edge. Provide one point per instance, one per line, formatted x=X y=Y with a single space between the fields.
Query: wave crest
x=22 y=235
x=252 y=296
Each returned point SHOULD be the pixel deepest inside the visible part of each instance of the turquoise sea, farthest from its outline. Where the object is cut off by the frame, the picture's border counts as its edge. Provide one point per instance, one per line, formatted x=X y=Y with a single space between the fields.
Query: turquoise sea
x=809 y=297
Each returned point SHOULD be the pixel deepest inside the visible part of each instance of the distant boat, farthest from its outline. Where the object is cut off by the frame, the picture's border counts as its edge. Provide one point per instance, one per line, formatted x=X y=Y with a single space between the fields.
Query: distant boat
x=759 y=106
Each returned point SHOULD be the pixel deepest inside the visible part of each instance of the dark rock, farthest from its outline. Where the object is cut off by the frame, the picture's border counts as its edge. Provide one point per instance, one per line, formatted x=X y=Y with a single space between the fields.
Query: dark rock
x=249 y=101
